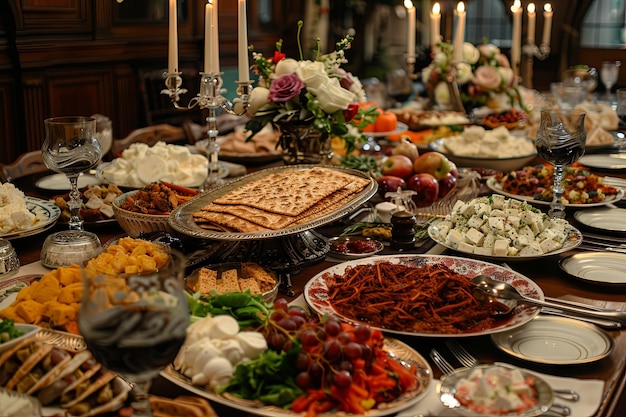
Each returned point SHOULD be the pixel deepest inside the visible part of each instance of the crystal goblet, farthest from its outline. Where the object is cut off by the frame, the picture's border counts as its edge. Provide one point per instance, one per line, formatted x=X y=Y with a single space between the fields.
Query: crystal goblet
x=135 y=323
x=71 y=147
x=560 y=141
x=609 y=73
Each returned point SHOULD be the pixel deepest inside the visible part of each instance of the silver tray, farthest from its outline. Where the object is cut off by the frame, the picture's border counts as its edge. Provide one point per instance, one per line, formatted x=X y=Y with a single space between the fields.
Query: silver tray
x=181 y=219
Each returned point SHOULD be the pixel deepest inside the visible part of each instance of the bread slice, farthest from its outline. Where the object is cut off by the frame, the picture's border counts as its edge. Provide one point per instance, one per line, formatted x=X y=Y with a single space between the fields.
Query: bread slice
x=228 y=282
x=252 y=270
x=249 y=284
x=206 y=282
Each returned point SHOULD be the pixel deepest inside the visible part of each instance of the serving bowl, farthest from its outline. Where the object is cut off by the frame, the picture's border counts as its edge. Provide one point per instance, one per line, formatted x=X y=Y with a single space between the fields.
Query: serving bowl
x=453 y=393
x=498 y=164
x=135 y=223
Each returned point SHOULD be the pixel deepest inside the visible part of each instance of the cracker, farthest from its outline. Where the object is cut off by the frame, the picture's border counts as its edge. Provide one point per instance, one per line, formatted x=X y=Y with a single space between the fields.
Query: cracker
x=287 y=192
x=206 y=282
x=228 y=220
x=249 y=284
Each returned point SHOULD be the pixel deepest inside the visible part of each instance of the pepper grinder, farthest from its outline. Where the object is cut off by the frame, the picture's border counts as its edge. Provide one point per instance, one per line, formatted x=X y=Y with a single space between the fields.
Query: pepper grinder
x=403 y=230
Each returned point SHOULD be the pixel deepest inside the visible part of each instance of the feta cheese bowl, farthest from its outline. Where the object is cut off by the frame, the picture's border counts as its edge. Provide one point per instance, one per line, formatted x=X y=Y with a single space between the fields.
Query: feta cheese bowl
x=499 y=228
x=487 y=390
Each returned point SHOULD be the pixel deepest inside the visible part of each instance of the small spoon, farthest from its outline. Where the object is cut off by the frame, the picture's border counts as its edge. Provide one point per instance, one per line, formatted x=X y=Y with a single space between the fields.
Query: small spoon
x=490 y=290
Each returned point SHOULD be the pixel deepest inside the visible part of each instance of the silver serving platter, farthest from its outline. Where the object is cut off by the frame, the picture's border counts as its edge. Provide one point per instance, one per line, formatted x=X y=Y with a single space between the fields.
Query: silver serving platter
x=181 y=219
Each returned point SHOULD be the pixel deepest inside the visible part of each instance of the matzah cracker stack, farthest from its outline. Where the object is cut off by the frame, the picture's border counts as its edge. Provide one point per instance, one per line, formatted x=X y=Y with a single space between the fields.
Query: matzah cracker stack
x=280 y=200
x=249 y=276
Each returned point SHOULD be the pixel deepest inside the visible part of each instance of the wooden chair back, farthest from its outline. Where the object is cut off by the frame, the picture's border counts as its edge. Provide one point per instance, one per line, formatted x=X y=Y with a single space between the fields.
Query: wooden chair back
x=150 y=135
x=28 y=163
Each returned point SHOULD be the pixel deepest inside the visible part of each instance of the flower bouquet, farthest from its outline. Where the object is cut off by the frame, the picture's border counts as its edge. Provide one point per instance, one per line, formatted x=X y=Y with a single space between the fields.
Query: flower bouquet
x=315 y=93
x=484 y=77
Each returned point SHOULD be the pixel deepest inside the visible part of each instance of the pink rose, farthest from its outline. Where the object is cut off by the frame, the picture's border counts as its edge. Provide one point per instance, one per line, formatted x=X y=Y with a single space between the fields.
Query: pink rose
x=487 y=77
x=285 y=87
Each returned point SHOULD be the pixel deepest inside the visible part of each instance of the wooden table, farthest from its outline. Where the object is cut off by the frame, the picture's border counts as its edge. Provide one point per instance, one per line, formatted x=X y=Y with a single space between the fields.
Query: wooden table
x=545 y=273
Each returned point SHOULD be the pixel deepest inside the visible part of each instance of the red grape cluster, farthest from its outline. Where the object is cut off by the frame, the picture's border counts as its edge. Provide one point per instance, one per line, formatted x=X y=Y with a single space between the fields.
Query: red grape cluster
x=330 y=351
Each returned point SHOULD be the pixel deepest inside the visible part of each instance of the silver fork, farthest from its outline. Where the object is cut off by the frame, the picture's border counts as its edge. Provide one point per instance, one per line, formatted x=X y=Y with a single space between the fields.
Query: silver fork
x=466 y=359
x=443 y=365
x=461 y=354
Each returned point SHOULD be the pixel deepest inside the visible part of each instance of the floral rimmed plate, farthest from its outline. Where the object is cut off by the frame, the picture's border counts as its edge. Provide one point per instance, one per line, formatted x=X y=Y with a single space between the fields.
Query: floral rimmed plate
x=48 y=213
x=317 y=296
x=397 y=349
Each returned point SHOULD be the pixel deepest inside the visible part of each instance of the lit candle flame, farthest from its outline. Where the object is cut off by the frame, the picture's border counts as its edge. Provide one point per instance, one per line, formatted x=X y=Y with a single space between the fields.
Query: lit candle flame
x=531 y=8
x=547 y=7
x=436 y=8
x=460 y=7
x=408 y=4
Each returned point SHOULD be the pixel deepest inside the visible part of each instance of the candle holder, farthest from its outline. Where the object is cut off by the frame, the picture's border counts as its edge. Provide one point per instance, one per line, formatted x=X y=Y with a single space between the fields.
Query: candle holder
x=209 y=98
x=531 y=51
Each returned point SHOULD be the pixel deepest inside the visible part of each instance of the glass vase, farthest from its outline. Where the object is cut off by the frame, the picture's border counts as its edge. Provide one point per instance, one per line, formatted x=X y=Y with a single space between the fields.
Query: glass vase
x=301 y=143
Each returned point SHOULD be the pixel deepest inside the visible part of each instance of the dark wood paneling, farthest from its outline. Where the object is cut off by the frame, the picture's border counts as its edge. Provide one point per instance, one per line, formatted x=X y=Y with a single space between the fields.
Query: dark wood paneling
x=8 y=144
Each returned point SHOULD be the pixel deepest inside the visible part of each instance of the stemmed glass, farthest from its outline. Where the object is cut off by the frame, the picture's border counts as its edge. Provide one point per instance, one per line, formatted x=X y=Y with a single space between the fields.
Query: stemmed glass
x=135 y=324
x=71 y=147
x=609 y=73
x=560 y=141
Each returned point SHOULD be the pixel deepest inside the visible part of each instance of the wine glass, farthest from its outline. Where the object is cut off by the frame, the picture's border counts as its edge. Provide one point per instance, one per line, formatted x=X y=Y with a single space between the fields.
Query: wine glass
x=135 y=324
x=399 y=87
x=609 y=73
x=71 y=147
x=560 y=141
x=621 y=107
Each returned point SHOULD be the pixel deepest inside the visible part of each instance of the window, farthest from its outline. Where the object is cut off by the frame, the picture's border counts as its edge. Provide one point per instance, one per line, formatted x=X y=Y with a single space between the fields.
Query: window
x=485 y=22
x=603 y=26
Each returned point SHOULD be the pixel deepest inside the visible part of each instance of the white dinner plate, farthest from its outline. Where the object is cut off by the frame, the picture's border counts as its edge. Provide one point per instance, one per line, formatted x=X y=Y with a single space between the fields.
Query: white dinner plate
x=608 y=219
x=575 y=238
x=604 y=161
x=397 y=349
x=317 y=295
x=59 y=182
x=607 y=268
x=496 y=187
x=49 y=211
x=555 y=341
x=27 y=331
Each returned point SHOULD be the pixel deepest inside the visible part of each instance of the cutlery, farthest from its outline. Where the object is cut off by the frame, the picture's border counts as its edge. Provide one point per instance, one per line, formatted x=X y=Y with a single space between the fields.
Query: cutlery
x=488 y=290
x=605 y=238
x=591 y=247
x=466 y=359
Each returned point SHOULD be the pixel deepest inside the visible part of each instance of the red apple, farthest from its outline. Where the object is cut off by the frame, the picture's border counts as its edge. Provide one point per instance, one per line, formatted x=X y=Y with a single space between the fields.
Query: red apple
x=427 y=188
x=433 y=163
x=389 y=183
x=453 y=169
x=397 y=166
x=446 y=184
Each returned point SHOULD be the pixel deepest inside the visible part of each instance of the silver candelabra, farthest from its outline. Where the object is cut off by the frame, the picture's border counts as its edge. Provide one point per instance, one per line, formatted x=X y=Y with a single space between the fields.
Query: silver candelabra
x=530 y=51
x=210 y=98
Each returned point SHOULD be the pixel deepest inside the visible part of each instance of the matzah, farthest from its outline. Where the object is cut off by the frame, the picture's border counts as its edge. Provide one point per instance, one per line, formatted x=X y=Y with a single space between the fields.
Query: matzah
x=270 y=203
x=287 y=192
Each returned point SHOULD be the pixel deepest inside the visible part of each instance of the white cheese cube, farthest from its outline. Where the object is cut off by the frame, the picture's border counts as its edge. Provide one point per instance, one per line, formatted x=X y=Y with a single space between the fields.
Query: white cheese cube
x=475 y=222
x=465 y=247
x=474 y=236
x=549 y=245
x=496 y=223
x=483 y=250
x=531 y=250
x=513 y=221
x=498 y=201
x=500 y=247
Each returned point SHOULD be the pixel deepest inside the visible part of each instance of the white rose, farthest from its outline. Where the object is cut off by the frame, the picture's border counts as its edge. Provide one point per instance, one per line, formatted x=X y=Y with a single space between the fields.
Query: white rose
x=313 y=74
x=426 y=74
x=489 y=50
x=442 y=94
x=258 y=98
x=440 y=58
x=357 y=89
x=286 y=66
x=333 y=97
x=463 y=72
x=471 y=54
x=508 y=77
